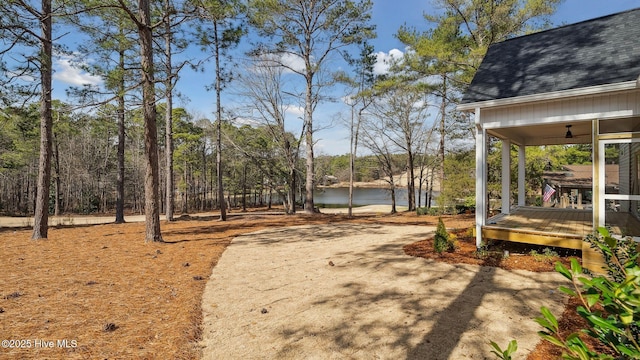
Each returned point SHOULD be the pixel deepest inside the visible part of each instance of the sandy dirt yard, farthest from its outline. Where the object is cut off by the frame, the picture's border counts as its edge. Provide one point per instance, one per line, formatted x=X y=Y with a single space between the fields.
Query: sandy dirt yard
x=348 y=291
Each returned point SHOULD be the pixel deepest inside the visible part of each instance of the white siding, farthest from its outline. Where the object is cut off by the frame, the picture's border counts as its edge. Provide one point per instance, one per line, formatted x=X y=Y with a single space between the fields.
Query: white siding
x=566 y=110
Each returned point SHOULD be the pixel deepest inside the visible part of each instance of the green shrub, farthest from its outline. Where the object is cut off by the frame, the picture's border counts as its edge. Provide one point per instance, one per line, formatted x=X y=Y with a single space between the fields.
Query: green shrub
x=538 y=201
x=434 y=211
x=547 y=255
x=465 y=209
x=453 y=242
x=438 y=210
x=504 y=354
x=618 y=255
x=470 y=233
x=610 y=304
x=442 y=240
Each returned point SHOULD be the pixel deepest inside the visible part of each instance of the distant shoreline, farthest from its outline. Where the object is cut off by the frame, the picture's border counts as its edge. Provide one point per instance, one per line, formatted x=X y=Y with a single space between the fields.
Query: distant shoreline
x=366 y=209
x=369 y=185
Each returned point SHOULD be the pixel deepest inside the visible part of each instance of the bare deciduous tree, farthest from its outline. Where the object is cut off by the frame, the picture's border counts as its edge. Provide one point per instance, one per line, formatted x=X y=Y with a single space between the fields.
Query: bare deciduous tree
x=310 y=32
x=262 y=87
x=401 y=107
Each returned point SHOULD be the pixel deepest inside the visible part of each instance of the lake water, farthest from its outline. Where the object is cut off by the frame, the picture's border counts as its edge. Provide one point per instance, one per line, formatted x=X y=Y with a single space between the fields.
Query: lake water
x=362 y=196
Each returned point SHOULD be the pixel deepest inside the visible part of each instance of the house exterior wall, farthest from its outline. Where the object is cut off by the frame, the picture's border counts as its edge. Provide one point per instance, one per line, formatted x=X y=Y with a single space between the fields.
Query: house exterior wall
x=606 y=106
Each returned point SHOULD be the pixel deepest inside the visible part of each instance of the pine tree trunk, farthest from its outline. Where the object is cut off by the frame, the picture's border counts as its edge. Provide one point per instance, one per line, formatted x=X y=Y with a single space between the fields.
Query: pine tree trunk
x=41 y=215
x=56 y=177
x=151 y=179
x=352 y=166
x=120 y=155
x=443 y=113
x=169 y=202
x=223 y=208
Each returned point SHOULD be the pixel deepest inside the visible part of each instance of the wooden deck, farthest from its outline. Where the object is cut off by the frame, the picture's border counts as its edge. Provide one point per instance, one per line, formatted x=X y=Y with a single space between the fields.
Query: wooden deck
x=552 y=220
x=562 y=222
x=542 y=226
x=564 y=228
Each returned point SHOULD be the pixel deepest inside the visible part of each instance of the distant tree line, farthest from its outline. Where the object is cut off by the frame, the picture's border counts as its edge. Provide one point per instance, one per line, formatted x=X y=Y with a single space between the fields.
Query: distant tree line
x=84 y=163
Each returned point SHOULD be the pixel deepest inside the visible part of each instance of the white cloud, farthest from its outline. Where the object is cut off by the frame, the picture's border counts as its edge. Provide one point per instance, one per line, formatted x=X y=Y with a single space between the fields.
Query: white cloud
x=384 y=60
x=240 y=121
x=293 y=62
x=297 y=111
x=67 y=73
x=290 y=62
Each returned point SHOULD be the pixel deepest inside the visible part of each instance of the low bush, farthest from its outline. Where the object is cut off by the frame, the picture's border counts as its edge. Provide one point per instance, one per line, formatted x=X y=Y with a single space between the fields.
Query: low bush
x=547 y=255
x=610 y=304
x=443 y=241
x=448 y=210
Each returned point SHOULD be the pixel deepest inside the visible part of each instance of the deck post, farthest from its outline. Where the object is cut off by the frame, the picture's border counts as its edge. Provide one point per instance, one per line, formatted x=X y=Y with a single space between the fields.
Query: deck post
x=481 y=177
x=506 y=176
x=597 y=199
x=522 y=191
x=592 y=259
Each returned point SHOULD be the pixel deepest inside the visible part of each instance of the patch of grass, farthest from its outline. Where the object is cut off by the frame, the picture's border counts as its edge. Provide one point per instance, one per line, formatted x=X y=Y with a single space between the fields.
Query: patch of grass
x=548 y=255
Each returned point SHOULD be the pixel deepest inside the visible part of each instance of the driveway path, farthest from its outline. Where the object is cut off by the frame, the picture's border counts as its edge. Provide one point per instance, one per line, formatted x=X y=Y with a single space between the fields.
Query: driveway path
x=348 y=291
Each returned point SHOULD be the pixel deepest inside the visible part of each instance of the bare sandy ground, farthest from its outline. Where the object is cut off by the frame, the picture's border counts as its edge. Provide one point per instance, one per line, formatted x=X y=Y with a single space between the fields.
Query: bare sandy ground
x=10 y=221
x=348 y=291
x=17 y=221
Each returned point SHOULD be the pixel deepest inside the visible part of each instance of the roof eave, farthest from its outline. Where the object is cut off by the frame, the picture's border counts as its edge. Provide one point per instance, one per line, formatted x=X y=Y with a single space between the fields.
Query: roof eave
x=554 y=95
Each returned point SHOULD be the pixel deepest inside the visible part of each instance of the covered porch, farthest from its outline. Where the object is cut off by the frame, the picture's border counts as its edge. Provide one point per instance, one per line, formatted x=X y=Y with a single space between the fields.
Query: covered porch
x=575 y=84
x=615 y=204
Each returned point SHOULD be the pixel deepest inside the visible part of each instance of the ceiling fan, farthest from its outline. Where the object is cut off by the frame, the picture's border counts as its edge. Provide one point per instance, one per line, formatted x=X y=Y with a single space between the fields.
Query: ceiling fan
x=568 y=135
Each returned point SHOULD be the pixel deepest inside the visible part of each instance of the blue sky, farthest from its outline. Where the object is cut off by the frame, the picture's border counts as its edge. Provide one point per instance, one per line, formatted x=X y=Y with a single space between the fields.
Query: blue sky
x=388 y=15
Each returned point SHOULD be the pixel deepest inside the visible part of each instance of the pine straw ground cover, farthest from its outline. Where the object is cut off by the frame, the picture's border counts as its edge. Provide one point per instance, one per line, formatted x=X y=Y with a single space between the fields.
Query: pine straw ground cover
x=110 y=295
x=99 y=291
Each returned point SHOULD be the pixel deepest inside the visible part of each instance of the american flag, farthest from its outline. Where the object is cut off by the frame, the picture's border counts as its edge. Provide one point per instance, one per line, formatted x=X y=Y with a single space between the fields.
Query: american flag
x=548 y=192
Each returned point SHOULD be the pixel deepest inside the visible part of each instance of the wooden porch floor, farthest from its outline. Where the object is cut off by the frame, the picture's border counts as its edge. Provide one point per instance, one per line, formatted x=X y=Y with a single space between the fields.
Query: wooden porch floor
x=554 y=227
x=542 y=226
x=564 y=228
x=550 y=220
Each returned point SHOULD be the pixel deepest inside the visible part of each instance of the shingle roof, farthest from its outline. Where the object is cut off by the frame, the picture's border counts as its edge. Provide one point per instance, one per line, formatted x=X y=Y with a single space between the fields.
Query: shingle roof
x=600 y=51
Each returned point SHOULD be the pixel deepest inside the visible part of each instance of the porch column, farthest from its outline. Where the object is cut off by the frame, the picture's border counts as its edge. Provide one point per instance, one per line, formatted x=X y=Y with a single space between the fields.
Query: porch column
x=591 y=259
x=481 y=177
x=522 y=190
x=599 y=183
x=506 y=176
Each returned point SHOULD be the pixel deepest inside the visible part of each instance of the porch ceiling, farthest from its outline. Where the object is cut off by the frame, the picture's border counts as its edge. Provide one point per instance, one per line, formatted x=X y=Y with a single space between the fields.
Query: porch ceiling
x=547 y=134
